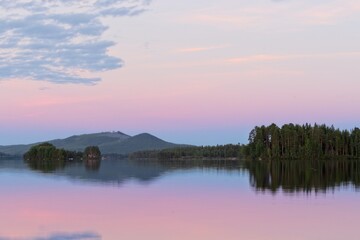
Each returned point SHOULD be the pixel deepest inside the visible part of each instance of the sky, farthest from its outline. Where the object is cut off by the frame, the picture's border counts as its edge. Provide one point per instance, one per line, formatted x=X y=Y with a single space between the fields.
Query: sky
x=200 y=72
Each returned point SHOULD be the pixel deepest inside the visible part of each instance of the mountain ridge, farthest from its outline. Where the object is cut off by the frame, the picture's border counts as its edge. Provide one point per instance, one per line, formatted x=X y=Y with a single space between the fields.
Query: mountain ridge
x=108 y=142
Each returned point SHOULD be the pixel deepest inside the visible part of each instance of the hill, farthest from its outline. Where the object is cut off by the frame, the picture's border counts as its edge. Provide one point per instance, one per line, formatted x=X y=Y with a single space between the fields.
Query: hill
x=108 y=142
x=80 y=142
x=136 y=143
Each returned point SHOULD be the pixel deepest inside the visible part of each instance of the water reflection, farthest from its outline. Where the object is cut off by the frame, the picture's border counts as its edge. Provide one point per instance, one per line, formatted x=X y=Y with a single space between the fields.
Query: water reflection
x=303 y=176
x=92 y=164
x=287 y=176
x=186 y=200
x=112 y=171
x=45 y=166
x=197 y=164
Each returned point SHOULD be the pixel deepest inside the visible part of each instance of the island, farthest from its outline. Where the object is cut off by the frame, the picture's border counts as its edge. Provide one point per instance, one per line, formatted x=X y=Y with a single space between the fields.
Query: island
x=48 y=152
x=47 y=157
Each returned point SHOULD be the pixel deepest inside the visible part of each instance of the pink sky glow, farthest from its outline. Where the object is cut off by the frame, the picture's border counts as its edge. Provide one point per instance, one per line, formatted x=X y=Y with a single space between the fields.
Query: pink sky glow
x=203 y=73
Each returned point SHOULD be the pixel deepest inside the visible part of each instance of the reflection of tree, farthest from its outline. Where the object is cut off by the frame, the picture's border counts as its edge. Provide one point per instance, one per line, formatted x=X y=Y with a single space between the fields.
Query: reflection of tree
x=183 y=164
x=54 y=165
x=46 y=166
x=92 y=158
x=92 y=164
x=305 y=176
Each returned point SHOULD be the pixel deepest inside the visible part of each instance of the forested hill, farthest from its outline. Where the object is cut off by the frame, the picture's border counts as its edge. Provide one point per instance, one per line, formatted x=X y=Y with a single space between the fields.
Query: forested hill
x=108 y=142
x=303 y=142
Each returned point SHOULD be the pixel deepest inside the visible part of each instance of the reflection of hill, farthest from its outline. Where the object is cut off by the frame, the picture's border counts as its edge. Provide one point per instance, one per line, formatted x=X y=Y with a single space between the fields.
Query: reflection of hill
x=288 y=176
x=117 y=171
x=12 y=164
x=302 y=175
x=112 y=171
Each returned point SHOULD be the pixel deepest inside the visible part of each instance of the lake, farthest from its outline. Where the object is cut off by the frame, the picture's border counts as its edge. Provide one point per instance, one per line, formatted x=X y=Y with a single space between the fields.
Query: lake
x=137 y=200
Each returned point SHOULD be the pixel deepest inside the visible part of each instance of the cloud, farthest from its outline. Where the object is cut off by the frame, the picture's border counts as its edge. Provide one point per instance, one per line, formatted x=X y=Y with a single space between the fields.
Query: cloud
x=57 y=40
x=63 y=236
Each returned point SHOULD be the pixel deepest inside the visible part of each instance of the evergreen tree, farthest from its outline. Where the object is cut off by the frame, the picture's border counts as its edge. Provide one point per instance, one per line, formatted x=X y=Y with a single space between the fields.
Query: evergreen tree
x=302 y=142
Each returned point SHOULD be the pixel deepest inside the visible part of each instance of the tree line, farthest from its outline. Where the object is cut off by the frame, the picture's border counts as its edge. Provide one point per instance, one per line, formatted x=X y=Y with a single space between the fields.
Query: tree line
x=46 y=157
x=92 y=152
x=202 y=152
x=48 y=152
x=302 y=142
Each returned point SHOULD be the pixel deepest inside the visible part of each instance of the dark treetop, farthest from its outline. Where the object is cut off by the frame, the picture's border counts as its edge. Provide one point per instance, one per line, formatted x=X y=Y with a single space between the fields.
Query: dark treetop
x=48 y=152
x=303 y=142
x=229 y=151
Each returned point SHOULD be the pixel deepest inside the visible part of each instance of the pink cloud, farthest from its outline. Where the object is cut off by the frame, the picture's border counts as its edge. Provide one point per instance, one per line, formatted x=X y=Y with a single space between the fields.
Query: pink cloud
x=284 y=57
x=330 y=13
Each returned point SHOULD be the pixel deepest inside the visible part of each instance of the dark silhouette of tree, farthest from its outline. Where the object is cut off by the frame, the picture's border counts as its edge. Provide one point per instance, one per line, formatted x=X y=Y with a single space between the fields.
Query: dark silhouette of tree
x=92 y=152
x=92 y=158
x=47 y=158
x=203 y=152
x=302 y=142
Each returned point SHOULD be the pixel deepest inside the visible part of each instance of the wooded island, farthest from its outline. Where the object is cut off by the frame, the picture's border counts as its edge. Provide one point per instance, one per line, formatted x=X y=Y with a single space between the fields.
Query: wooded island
x=48 y=152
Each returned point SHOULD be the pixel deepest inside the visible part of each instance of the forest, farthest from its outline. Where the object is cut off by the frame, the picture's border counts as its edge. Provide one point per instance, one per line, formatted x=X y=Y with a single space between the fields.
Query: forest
x=48 y=152
x=229 y=151
x=92 y=152
x=305 y=142
x=302 y=142
x=47 y=158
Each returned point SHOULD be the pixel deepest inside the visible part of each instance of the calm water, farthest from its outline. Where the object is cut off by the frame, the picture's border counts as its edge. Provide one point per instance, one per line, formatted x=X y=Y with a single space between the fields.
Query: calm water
x=122 y=199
